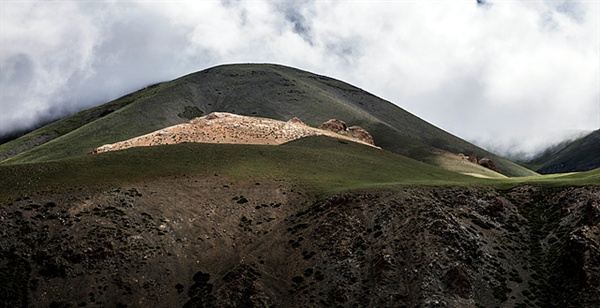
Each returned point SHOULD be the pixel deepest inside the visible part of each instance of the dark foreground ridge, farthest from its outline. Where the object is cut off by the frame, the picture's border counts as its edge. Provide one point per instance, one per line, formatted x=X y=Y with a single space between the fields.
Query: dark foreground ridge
x=185 y=241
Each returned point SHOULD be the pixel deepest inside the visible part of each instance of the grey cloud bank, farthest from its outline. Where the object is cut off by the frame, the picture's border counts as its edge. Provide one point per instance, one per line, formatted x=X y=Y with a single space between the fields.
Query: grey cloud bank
x=512 y=76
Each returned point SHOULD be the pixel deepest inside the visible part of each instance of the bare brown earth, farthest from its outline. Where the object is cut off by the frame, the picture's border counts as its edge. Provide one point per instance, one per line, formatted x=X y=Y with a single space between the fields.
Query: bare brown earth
x=221 y=127
x=216 y=242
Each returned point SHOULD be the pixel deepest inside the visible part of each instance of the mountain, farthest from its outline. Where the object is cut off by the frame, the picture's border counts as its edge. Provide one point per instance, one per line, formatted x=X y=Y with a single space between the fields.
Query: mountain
x=580 y=155
x=264 y=90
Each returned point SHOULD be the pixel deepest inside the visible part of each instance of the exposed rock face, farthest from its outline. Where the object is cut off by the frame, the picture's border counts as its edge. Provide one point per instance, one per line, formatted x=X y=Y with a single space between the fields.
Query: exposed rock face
x=360 y=134
x=488 y=163
x=221 y=127
x=485 y=162
x=459 y=281
x=420 y=246
x=334 y=125
x=214 y=115
x=340 y=127
x=473 y=158
x=296 y=121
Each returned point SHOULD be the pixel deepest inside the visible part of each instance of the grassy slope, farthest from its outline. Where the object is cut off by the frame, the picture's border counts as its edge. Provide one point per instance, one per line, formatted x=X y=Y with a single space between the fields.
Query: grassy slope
x=262 y=90
x=451 y=162
x=323 y=164
x=141 y=240
x=591 y=177
x=64 y=126
x=537 y=162
x=581 y=155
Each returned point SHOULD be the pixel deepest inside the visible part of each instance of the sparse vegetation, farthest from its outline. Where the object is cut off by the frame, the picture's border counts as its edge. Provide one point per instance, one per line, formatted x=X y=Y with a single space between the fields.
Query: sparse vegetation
x=327 y=160
x=190 y=112
x=240 y=199
x=298 y=279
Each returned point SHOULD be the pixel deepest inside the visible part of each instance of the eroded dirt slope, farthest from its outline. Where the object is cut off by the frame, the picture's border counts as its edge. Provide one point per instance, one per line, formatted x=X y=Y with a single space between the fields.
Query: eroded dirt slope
x=221 y=127
x=198 y=242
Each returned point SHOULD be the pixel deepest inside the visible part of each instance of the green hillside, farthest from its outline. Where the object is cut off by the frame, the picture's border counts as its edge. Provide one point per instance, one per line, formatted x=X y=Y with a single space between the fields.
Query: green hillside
x=263 y=90
x=322 y=164
x=581 y=155
x=222 y=225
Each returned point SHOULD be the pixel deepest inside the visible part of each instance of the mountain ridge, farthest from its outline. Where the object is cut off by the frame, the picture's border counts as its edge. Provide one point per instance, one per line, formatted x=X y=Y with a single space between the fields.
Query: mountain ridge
x=582 y=154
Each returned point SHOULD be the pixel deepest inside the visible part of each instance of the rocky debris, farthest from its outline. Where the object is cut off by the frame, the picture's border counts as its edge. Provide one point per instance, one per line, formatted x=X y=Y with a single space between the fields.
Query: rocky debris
x=592 y=213
x=340 y=127
x=334 y=125
x=488 y=163
x=473 y=158
x=360 y=134
x=459 y=281
x=215 y=115
x=295 y=120
x=563 y=242
x=484 y=162
x=187 y=242
x=239 y=287
x=221 y=127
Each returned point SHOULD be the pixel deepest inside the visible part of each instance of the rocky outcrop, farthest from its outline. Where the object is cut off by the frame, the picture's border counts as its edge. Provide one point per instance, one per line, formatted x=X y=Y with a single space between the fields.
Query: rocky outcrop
x=360 y=134
x=340 y=127
x=221 y=127
x=334 y=125
x=488 y=163
x=459 y=281
x=484 y=162
x=295 y=120
x=473 y=158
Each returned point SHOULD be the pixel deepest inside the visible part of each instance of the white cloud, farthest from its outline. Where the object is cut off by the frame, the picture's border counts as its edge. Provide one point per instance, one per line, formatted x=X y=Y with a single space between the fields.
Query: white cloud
x=508 y=74
x=39 y=54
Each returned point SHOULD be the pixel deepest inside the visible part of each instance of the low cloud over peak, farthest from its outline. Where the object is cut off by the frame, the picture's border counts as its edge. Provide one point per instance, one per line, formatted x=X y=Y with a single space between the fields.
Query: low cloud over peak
x=508 y=75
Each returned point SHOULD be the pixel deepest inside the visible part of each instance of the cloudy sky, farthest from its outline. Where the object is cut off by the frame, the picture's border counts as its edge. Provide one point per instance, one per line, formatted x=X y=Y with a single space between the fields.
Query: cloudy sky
x=512 y=76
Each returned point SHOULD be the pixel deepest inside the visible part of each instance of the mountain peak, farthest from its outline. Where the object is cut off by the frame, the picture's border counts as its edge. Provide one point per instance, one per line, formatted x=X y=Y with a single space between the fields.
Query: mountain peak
x=262 y=90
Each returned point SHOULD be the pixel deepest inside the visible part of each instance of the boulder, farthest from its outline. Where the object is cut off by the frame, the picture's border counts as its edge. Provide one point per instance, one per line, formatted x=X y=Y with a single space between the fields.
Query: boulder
x=488 y=163
x=213 y=115
x=360 y=134
x=473 y=158
x=340 y=127
x=334 y=125
x=295 y=120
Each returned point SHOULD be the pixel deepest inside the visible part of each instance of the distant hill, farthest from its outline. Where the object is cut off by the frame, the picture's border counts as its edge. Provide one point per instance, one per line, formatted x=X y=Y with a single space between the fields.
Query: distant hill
x=580 y=155
x=264 y=90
